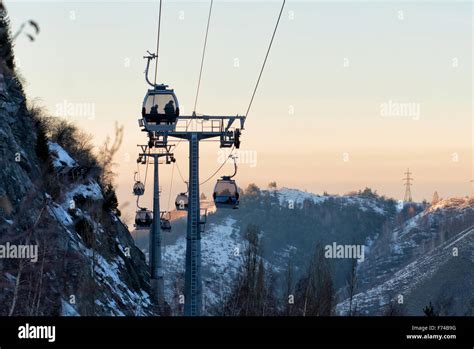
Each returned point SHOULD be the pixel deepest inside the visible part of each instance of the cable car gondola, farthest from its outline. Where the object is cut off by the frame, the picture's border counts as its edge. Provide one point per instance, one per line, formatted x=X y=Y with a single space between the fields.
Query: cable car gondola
x=226 y=193
x=143 y=218
x=165 y=224
x=160 y=108
x=181 y=202
x=138 y=187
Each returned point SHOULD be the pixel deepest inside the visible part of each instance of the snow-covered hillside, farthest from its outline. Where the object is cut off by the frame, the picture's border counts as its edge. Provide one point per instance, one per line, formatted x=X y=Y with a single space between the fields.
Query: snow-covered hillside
x=290 y=197
x=400 y=261
x=54 y=200
x=113 y=294
x=223 y=242
x=88 y=263
x=417 y=254
x=221 y=256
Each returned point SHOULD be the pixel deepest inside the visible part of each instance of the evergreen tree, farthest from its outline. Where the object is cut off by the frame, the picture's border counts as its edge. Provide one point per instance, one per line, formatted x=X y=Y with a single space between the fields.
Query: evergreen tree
x=110 y=200
x=429 y=310
x=48 y=174
x=41 y=147
x=272 y=185
x=6 y=50
x=252 y=190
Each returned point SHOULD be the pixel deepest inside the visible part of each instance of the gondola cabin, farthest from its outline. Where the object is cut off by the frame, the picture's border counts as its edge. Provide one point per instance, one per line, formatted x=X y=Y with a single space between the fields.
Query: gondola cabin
x=143 y=218
x=226 y=193
x=165 y=224
x=181 y=202
x=160 y=109
x=138 y=188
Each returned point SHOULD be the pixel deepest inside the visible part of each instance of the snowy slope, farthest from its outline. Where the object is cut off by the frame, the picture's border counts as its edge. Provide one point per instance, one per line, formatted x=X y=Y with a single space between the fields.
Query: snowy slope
x=221 y=256
x=408 y=278
x=289 y=196
x=296 y=196
x=416 y=255
x=222 y=240
x=60 y=157
x=113 y=294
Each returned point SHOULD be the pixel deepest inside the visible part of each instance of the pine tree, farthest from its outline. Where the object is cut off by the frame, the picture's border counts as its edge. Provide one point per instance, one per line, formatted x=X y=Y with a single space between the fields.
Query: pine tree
x=48 y=173
x=272 y=185
x=41 y=147
x=429 y=310
x=110 y=200
x=6 y=50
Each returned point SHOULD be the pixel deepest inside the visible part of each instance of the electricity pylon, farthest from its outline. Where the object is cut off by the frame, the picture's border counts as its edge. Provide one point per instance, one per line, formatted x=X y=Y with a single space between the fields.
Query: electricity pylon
x=408 y=183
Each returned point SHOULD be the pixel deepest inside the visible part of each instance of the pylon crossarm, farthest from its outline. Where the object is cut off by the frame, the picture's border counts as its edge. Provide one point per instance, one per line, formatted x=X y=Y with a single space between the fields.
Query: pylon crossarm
x=222 y=118
x=158 y=152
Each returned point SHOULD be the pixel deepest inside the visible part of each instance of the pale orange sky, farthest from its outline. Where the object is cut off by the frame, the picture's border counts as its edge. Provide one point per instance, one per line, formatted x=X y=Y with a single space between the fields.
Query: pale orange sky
x=332 y=67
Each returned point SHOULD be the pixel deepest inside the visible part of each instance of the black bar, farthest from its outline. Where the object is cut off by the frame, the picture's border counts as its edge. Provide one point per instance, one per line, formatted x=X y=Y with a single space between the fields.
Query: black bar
x=320 y=332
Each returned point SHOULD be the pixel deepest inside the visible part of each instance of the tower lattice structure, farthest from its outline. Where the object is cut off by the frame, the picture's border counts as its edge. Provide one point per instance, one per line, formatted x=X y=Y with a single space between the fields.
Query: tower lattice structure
x=408 y=183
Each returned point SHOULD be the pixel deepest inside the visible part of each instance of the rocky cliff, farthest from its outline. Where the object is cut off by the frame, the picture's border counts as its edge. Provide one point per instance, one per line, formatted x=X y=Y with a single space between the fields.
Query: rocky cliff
x=63 y=250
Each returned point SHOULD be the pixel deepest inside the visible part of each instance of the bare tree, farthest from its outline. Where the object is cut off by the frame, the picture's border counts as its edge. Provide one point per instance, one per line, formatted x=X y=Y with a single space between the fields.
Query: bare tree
x=289 y=289
x=253 y=291
x=351 y=286
x=393 y=307
x=17 y=288
x=315 y=290
x=107 y=153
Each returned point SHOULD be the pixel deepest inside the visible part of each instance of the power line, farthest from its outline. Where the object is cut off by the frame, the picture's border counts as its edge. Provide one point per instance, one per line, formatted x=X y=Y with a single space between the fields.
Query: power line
x=146 y=174
x=158 y=42
x=253 y=94
x=171 y=186
x=146 y=168
x=265 y=60
x=219 y=168
x=179 y=171
x=212 y=175
x=202 y=58
x=138 y=173
x=255 y=89
x=199 y=83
